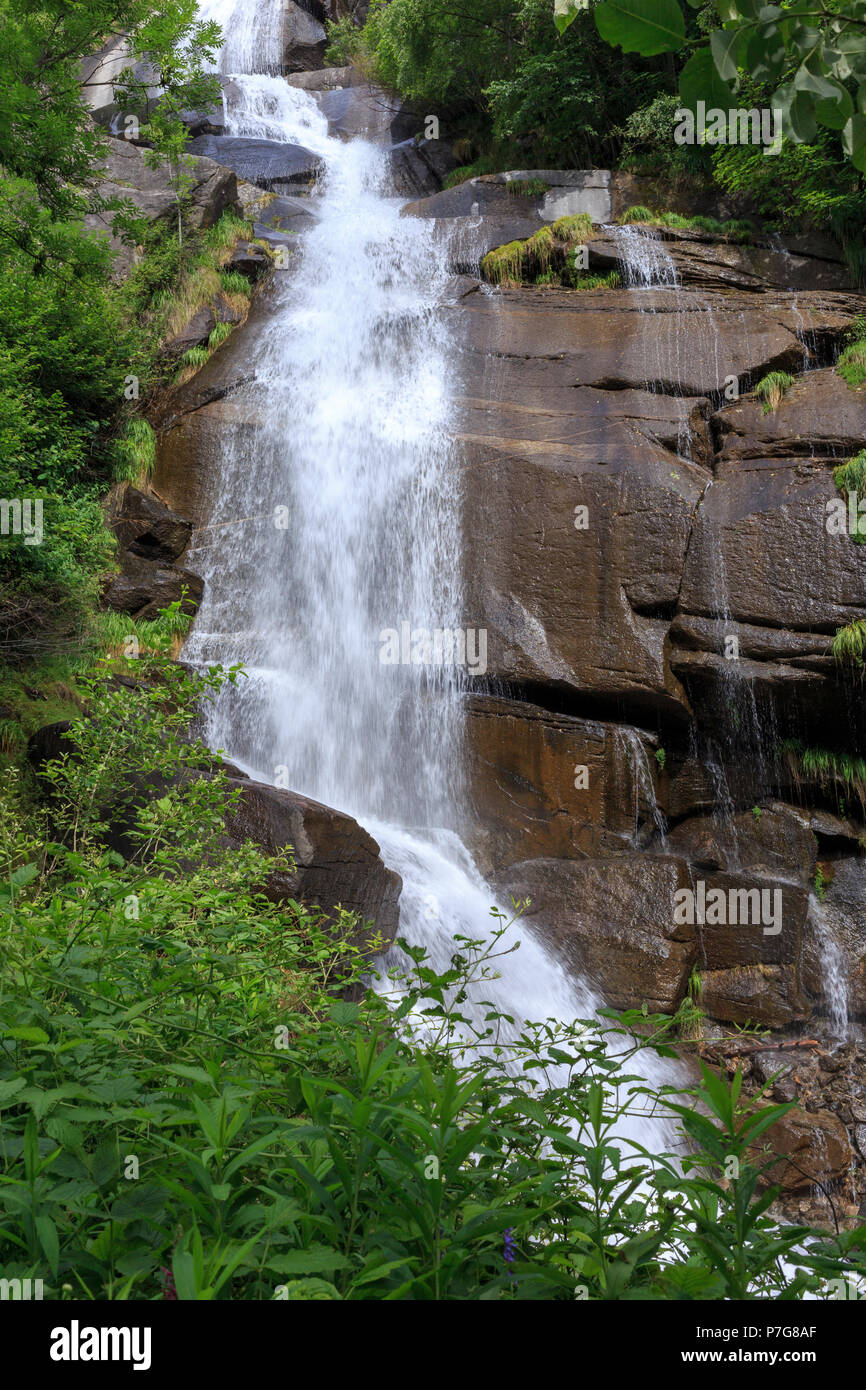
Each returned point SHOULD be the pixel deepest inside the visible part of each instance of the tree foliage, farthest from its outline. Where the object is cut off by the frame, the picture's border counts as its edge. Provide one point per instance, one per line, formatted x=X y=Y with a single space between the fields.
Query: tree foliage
x=810 y=55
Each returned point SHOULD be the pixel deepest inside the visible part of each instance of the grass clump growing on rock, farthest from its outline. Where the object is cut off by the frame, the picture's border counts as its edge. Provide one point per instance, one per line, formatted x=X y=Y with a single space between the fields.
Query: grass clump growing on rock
x=851 y=365
x=827 y=767
x=772 y=388
x=526 y=188
x=547 y=257
x=849 y=645
x=136 y=453
x=851 y=477
x=737 y=229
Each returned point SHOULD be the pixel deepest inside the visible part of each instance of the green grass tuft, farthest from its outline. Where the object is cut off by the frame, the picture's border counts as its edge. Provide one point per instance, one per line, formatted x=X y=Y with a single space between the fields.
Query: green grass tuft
x=638 y=213
x=852 y=364
x=135 y=453
x=219 y=335
x=772 y=389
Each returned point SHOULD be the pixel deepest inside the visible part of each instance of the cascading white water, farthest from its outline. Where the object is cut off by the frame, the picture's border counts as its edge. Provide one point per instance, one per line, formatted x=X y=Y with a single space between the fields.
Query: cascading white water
x=337 y=524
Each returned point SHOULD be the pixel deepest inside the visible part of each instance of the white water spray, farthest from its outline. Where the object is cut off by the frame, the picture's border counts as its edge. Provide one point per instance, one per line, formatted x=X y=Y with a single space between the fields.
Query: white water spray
x=337 y=521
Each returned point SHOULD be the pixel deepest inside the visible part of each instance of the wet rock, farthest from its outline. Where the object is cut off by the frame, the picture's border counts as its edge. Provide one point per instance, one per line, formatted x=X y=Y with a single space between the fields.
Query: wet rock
x=269 y=164
x=811 y=1147
x=303 y=38
x=838 y=931
x=820 y=416
x=419 y=167
x=365 y=111
x=145 y=586
x=768 y=995
x=147 y=528
x=613 y=920
x=338 y=862
x=325 y=79
x=749 y=526
x=553 y=786
x=775 y=844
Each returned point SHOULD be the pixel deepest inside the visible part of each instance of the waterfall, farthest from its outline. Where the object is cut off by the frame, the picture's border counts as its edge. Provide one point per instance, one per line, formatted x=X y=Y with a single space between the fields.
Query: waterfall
x=834 y=970
x=332 y=557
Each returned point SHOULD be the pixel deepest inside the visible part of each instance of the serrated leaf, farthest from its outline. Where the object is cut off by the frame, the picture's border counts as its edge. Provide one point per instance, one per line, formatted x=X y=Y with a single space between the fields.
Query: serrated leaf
x=32 y=1035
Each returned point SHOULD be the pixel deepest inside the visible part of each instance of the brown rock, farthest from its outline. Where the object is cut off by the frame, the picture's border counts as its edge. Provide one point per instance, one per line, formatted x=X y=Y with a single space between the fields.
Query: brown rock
x=811 y=1148
x=145 y=587
x=820 y=415
x=147 y=528
x=613 y=920
x=338 y=863
x=522 y=767
x=764 y=994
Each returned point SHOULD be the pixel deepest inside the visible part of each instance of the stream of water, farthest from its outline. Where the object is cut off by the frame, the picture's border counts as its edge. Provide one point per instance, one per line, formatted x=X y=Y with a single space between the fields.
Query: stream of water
x=352 y=399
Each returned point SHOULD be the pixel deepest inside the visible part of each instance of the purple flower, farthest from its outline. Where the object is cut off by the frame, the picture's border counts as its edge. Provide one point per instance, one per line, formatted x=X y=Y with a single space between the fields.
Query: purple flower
x=509 y=1251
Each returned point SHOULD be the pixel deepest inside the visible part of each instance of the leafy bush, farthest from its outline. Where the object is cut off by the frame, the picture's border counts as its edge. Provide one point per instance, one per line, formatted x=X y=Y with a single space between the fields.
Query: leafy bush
x=193 y=1109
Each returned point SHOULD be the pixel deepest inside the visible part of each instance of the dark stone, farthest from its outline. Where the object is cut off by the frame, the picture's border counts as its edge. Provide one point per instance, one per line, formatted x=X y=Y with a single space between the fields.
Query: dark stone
x=268 y=164
x=146 y=528
x=145 y=587
x=419 y=167
x=250 y=260
x=338 y=862
x=194 y=334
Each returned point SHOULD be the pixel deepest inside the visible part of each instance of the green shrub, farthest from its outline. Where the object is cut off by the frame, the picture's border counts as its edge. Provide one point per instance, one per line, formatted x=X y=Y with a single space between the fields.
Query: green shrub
x=136 y=452
x=193 y=1109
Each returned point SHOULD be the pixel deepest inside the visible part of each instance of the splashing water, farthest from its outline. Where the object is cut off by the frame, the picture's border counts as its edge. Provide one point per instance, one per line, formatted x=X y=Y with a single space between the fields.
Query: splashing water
x=336 y=529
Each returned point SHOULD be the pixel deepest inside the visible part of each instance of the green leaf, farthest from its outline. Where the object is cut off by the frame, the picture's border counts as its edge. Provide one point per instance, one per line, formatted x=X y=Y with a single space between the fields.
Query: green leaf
x=317 y=1260
x=724 y=46
x=32 y=1035
x=47 y=1232
x=700 y=81
x=647 y=27
x=854 y=142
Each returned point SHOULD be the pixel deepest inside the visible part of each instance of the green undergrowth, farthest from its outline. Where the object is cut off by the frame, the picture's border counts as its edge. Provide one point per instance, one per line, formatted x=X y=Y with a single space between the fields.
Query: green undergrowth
x=851 y=364
x=202 y=1102
x=771 y=389
x=734 y=229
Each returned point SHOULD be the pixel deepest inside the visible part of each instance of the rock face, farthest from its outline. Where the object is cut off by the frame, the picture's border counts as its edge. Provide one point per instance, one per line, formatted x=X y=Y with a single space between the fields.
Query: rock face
x=612 y=920
x=127 y=176
x=151 y=540
x=266 y=163
x=338 y=863
x=642 y=520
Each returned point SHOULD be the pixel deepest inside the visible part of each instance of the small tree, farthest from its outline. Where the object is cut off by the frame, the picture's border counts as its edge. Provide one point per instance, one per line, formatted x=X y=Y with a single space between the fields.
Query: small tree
x=180 y=52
